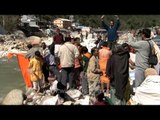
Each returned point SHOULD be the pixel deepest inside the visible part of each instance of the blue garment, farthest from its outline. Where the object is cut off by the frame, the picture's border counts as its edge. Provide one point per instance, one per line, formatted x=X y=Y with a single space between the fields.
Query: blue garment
x=100 y=44
x=112 y=31
x=50 y=59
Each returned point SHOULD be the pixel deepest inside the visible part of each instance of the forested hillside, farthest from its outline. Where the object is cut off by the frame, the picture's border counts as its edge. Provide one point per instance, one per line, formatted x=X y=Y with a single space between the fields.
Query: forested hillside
x=9 y=22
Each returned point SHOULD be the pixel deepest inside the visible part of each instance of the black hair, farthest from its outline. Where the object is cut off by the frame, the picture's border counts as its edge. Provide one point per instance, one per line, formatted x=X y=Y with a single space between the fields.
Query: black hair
x=126 y=46
x=29 y=46
x=112 y=20
x=105 y=44
x=84 y=49
x=67 y=39
x=37 y=53
x=93 y=50
x=147 y=33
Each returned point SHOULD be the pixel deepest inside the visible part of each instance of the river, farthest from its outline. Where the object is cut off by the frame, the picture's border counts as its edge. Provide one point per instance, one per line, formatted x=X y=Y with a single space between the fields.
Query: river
x=10 y=76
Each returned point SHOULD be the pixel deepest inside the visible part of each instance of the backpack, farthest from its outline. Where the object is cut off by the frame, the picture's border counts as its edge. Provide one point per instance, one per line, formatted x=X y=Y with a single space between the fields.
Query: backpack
x=153 y=60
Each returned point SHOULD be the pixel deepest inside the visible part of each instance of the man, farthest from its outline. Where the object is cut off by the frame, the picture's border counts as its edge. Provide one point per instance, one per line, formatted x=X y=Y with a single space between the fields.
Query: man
x=58 y=40
x=93 y=72
x=112 y=31
x=99 y=42
x=67 y=54
x=142 y=50
x=45 y=50
x=85 y=60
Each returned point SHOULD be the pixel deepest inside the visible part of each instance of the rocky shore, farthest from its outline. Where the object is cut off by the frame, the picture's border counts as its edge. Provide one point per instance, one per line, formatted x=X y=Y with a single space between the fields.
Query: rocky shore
x=30 y=97
x=10 y=43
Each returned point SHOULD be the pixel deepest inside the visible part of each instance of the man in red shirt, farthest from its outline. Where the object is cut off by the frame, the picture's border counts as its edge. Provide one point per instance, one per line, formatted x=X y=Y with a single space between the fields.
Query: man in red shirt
x=58 y=40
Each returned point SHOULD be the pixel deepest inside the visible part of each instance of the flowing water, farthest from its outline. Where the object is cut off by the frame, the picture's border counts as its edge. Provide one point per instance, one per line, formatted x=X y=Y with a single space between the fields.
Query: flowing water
x=10 y=76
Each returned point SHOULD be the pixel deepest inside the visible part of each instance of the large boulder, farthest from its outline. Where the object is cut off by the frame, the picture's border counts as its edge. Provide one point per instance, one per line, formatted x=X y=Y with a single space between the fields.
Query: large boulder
x=74 y=93
x=34 y=40
x=14 y=97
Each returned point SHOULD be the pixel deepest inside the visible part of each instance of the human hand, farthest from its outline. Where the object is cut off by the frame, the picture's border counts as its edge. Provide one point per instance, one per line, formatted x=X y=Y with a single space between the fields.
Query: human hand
x=102 y=17
x=116 y=16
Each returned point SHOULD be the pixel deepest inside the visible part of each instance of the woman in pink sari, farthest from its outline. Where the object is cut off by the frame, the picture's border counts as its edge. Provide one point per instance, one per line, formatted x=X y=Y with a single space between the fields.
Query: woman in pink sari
x=104 y=55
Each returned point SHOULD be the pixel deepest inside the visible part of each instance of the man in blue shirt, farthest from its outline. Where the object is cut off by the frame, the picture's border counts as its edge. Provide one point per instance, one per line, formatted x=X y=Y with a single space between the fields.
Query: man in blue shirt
x=112 y=31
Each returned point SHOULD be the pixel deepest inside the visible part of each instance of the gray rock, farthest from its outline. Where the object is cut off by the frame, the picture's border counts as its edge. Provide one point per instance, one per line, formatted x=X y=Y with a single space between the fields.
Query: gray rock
x=68 y=103
x=74 y=93
x=49 y=100
x=14 y=97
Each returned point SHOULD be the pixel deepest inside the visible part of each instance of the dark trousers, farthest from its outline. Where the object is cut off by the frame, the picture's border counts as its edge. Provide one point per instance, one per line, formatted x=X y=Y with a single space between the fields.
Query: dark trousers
x=45 y=72
x=53 y=70
x=67 y=75
x=85 y=88
x=76 y=76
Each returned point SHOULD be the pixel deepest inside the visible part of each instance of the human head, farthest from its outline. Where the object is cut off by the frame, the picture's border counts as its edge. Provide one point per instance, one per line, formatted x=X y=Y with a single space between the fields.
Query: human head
x=111 y=23
x=94 y=51
x=150 y=71
x=57 y=30
x=43 y=45
x=126 y=46
x=146 y=33
x=105 y=44
x=67 y=39
x=37 y=54
x=158 y=31
x=84 y=50
x=99 y=37
x=29 y=46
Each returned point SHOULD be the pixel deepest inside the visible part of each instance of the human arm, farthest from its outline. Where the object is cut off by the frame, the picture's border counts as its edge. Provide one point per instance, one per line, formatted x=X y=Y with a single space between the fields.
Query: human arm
x=117 y=25
x=93 y=67
x=131 y=64
x=135 y=45
x=30 y=67
x=76 y=52
x=103 y=24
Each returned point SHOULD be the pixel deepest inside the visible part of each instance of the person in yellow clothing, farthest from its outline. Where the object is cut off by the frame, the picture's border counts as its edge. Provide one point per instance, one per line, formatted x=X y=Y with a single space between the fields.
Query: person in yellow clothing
x=104 y=55
x=35 y=67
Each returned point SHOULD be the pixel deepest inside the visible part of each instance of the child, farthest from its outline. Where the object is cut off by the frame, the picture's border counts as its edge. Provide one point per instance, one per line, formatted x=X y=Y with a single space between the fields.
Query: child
x=35 y=67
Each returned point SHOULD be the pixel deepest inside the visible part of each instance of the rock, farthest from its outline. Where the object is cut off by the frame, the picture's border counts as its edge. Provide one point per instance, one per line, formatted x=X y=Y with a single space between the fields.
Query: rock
x=14 y=97
x=77 y=102
x=30 y=103
x=34 y=40
x=74 y=93
x=68 y=103
x=53 y=86
x=19 y=34
x=49 y=100
x=85 y=101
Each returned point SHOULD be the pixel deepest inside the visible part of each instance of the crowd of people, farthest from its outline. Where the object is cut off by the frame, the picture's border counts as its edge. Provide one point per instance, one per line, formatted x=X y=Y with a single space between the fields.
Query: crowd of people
x=102 y=73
